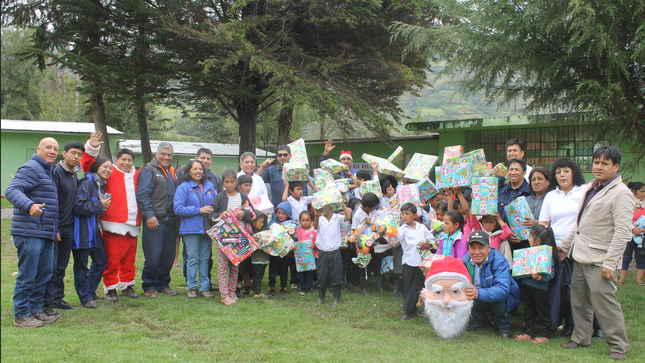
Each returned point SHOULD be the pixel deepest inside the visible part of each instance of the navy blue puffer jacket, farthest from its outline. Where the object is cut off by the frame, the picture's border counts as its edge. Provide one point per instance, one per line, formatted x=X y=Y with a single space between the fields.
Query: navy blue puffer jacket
x=87 y=209
x=33 y=184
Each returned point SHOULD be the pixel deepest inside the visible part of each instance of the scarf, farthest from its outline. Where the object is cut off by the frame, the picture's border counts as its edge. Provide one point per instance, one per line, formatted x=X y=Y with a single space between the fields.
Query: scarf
x=448 y=242
x=639 y=203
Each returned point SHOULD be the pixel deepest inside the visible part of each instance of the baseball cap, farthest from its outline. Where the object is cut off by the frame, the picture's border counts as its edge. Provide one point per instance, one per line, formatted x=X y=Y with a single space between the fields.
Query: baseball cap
x=479 y=237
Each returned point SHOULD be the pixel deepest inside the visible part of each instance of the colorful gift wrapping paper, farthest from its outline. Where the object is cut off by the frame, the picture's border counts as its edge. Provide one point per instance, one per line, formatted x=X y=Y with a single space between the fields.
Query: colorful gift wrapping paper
x=640 y=222
x=295 y=172
x=409 y=194
x=419 y=167
x=453 y=175
x=427 y=189
x=384 y=166
x=323 y=180
x=516 y=211
x=329 y=200
x=427 y=262
x=484 y=196
x=370 y=186
x=387 y=266
x=362 y=260
x=304 y=255
x=462 y=177
x=275 y=241
x=263 y=204
x=333 y=166
x=501 y=167
x=233 y=238
x=450 y=152
x=397 y=156
x=342 y=185
x=528 y=261
x=298 y=152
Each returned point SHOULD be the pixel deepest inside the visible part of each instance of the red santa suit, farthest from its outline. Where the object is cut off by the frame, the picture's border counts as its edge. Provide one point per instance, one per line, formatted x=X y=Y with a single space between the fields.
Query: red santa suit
x=120 y=223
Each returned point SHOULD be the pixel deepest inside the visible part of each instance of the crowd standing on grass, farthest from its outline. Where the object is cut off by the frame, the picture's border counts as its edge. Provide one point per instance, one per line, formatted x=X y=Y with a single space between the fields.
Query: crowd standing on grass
x=590 y=227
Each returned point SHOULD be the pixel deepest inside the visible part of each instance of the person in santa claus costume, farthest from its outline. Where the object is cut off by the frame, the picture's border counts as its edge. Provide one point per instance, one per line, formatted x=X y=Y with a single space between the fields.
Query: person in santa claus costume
x=120 y=222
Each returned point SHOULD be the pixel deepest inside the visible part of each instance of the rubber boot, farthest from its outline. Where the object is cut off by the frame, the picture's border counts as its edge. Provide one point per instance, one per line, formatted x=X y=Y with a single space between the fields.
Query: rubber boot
x=321 y=297
x=336 y=297
x=364 y=285
x=379 y=284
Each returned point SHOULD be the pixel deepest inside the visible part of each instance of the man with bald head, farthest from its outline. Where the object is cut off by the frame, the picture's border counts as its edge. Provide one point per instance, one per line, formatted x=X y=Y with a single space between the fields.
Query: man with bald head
x=34 y=229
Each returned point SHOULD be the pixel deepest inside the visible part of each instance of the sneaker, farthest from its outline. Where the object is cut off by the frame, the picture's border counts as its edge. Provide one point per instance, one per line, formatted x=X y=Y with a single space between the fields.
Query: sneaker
x=151 y=293
x=192 y=293
x=206 y=293
x=28 y=322
x=44 y=318
x=64 y=305
x=111 y=296
x=272 y=290
x=91 y=304
x=283 y=290
x=49 y=311
x=294 y=286
x=169 y=292
x=259 y=296
x=129 y=292
x=505 y=333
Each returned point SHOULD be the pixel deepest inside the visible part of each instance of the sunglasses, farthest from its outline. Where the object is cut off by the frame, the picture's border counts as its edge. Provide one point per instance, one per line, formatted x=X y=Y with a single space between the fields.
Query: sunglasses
x=283 y=155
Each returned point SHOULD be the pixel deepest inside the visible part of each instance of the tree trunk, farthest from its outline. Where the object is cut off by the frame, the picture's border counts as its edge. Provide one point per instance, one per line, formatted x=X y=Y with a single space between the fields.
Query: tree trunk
x=100 y=122
x=247 y=115
x=146 y=152
x=284 y=123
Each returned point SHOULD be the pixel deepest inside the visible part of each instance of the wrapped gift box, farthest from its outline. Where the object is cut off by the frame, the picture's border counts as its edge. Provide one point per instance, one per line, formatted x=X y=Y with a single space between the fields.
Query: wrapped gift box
x=451 y=152
x=362 y=260
x=329 y=200
x=370 y=186
x=409 y=194
x=295 y=172
x=463 y=176
x=397 y=156
x=484 y=196
x=387 y=266
x=333 y=166
x=323 y=180
x=640 y=222
x=453 y=175
x=342 y=185
x=233 y=238
x=501 y=168
x=427 y=262
x=298 y=152
x=263 y=204
x=304 y=255
x=427 y=189
x=275 y=241
x=516 y=211
x=528 y=261
x=419 y=167
x=384 y=166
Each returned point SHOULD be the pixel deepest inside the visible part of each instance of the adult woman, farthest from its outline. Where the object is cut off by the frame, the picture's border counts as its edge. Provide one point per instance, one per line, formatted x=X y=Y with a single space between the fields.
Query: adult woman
x=192 y=202
x=638 y=189
x=540 y=186
x=559 y=211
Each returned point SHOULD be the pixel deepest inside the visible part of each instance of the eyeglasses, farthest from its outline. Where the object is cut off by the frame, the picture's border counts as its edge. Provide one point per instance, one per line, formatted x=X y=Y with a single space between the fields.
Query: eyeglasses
x=283 y=155
x=75 y=154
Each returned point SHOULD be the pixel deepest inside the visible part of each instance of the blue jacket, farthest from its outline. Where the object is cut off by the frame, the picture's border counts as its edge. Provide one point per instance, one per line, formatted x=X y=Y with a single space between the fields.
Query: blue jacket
x=495 y=279
x=187 y=205
x=33 y=184
x=87 y=209
x=285 y=207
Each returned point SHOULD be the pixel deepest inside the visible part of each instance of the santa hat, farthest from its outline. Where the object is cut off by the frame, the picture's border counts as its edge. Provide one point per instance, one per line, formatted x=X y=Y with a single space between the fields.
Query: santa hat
x=447 y=268
x=346 y=153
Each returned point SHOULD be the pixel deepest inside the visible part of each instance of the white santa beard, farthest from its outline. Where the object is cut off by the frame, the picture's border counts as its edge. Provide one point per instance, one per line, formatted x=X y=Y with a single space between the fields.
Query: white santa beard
x=448 y=325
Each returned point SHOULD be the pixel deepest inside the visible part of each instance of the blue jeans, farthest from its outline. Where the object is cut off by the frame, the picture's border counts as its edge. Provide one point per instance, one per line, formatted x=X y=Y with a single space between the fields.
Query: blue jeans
x=87 y=280
x=62 y=249
x=198 y=247
x=35 y=266
x=159 y=251
x=501 y=315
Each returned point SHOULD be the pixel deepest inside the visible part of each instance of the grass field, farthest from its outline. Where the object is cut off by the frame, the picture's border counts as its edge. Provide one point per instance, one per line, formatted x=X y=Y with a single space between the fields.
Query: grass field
x=287 y=328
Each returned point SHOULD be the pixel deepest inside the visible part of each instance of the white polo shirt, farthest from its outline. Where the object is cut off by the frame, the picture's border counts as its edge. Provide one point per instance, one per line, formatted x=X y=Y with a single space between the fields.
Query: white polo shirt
x=328 y=238
x=561 y=211
x=297 y=206
x=410 y=238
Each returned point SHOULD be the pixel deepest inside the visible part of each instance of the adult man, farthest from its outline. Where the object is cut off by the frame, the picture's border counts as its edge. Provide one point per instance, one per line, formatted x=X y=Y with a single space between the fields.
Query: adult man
x=248 y=161
x=514 y=150
x=444 y=296
x=157 y=185
x=273 y=174
x=66 y=182
x=34 y=229
x=120 y=222
x=596 y=245
x=493 y=288
x=517 y=187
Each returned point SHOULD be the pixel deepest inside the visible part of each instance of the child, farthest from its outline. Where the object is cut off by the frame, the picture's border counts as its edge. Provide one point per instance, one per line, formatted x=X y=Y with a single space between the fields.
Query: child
x=361 y=176
x=441 y=210
x=491 y=224
x=279 y=266
x=462 y=206
x=244 y=184
x=259 y=258
x=297 y=201
x=366 y=211
x=330 y=269
x=388 y=190
x=454 y=242
x=306 y=233
x=535 y=291
x=410 y=233
x=232 y=199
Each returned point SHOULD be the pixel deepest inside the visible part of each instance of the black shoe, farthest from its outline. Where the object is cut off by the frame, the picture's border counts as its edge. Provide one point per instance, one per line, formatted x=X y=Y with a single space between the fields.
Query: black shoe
x=505 y=333
x=272 y=290
x=111 y=296
x=567 y=331
x=598 y=334
x=309 y=289
x=239 y=294
x=51 y=312
x=283 y=290
x=408 y=316
x=64 y=305
x=247 y=290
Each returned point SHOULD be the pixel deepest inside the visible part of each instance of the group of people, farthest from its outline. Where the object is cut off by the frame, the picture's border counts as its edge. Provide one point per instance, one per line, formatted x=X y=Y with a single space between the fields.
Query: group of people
x=589 y=225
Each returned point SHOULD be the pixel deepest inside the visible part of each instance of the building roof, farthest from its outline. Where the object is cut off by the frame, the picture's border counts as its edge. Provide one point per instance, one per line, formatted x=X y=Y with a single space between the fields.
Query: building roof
x=190 y=148
x=58 y=127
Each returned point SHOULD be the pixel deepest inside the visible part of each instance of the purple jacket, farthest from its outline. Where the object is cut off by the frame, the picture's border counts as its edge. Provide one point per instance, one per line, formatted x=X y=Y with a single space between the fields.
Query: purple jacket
x=459 y=247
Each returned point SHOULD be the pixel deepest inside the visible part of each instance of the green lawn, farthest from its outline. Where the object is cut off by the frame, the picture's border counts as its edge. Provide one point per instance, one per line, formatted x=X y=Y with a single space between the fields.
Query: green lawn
x=287 y=328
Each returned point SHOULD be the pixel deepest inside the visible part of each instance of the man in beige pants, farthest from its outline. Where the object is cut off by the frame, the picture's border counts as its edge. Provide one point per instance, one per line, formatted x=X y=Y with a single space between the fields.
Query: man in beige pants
x=596 y=244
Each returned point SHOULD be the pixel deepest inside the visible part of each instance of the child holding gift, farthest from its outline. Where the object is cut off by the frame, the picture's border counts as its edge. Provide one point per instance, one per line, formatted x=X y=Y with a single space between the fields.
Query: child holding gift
x=535 y=291
x=222 y=203
x=454 y=242
x=330 y=268
x=364 y=213
x=259 y=258
x=361 y=176
x=293 y=194
x=306 y=233
x=244 y=184
x=279 y=266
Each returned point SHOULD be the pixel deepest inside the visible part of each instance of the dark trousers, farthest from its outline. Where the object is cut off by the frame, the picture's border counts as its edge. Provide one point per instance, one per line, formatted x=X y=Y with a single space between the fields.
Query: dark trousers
x=87 y=280
x=345 y=255
x=278 y=266
x=375 y=265
x=258 y=274
x=159 y=251
x=55 y=290
x=560 y=295
x=354 y=273
x=501 y=315
x=305 y=279
x=330 y=270
x=536 y=308
x=293 y=273
x=412 y=285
